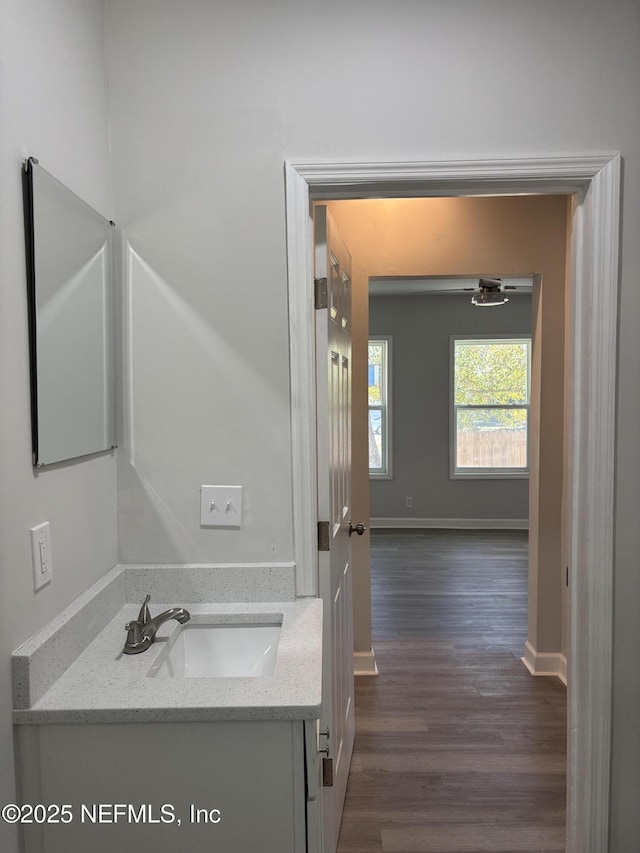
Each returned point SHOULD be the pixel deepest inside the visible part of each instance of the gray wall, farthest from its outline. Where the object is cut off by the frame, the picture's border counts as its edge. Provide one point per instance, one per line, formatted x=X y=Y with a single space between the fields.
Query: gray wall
x=53 y=107
x=420 y=327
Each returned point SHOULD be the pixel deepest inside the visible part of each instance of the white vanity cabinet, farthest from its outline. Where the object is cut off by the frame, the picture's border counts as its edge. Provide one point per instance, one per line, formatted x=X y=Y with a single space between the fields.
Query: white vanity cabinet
x=207 y=787
x=114 y=758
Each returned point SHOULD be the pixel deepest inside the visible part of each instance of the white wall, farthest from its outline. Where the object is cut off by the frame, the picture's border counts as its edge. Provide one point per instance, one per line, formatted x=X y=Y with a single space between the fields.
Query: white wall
x=52 y=106
x=420 y=327
x=196 y=177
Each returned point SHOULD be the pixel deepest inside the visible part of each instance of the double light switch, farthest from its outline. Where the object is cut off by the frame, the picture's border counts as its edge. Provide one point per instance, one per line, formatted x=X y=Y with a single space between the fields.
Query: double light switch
x=221 y=506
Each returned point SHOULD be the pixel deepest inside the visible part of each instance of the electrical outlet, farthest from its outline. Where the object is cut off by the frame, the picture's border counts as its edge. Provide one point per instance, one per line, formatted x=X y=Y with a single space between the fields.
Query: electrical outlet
x=221 y=506
x=41 y=556
x=408 y=502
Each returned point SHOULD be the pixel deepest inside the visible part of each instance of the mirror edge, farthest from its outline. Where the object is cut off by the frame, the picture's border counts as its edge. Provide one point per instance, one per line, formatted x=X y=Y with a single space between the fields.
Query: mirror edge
x=30 y=255
x=113 y=337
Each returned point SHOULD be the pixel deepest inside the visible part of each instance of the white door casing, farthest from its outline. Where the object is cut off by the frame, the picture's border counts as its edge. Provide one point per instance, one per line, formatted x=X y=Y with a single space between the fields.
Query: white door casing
x=594 y=180
x=333 y=395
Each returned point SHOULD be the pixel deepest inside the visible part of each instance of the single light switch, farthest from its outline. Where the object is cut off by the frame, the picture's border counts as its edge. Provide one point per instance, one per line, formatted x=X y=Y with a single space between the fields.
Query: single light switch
x=221 y=506
x=41 y=556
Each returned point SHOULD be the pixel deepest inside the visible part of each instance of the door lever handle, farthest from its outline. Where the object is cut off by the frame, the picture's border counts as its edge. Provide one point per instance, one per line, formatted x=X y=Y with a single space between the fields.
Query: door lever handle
x=359 y=528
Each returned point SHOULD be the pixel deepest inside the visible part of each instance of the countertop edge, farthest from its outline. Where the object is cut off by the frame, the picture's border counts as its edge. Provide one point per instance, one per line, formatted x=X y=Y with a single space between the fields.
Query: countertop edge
x=94 y=716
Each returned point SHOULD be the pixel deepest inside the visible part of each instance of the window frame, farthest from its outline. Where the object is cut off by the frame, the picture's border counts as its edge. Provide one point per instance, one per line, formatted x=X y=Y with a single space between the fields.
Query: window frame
x=456 y=473
x=386 y=472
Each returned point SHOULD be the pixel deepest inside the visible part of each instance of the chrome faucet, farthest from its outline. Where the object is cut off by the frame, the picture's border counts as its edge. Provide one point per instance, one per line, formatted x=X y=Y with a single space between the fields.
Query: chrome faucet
x=142 y=632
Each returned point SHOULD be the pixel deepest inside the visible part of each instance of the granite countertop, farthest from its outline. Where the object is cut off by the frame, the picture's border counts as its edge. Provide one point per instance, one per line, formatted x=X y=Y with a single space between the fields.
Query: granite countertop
x=103 y=685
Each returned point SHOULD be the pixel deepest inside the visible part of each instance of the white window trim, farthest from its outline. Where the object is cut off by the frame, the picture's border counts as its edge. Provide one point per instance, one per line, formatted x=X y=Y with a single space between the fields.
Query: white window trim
x=388 y=417
x=483 y=473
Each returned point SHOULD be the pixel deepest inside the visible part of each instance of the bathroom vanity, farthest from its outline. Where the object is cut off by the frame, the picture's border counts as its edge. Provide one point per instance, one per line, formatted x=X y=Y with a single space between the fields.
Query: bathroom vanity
x=144 y=752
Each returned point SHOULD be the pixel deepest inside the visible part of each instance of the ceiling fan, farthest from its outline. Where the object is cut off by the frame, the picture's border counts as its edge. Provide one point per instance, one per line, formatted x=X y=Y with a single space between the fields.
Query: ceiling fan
x=490 y=292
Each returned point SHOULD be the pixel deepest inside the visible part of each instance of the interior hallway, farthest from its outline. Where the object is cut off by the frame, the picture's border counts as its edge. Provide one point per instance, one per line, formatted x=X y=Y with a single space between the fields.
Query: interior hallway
x=457 y=747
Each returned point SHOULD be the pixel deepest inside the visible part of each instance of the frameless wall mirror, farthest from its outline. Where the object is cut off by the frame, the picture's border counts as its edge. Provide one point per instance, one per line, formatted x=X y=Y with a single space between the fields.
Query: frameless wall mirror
x=70 y=290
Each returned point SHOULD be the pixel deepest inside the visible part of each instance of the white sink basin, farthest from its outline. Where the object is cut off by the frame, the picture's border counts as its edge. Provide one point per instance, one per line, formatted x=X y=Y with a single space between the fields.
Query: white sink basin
x=220 y=651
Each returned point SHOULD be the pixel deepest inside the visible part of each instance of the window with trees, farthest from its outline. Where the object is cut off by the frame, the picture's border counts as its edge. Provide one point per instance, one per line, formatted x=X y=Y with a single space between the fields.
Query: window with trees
x=379 y=407
x=490 y=406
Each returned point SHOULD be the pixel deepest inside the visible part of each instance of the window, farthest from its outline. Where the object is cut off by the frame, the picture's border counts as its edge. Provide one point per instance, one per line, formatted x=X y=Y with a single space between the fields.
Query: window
x=490 y=406
x=379 y=407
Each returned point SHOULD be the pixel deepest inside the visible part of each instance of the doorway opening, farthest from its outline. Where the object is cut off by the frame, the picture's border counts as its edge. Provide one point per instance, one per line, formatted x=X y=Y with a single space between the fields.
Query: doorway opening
x=449 y=623
x=593 y=183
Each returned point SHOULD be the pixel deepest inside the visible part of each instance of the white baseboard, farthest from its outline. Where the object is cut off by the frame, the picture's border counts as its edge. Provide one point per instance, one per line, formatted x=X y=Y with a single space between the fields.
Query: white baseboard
x=364 y=663
x=562 y=674
x=545 y=663
x=454 y=523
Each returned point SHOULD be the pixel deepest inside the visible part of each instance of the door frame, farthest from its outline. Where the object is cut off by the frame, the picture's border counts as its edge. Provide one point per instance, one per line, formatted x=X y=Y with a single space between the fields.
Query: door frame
x=594 y=181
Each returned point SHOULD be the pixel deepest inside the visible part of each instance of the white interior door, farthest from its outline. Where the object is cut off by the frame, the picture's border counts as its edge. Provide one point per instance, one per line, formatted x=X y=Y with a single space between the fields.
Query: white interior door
x=333 y=363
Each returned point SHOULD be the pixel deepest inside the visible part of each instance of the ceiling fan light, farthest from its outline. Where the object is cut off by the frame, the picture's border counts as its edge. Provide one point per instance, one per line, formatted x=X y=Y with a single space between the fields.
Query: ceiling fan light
x=488 y=298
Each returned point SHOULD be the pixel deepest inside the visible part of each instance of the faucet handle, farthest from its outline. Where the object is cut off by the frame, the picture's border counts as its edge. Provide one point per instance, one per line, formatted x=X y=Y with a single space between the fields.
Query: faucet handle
x=144 y=616
x=134 y=637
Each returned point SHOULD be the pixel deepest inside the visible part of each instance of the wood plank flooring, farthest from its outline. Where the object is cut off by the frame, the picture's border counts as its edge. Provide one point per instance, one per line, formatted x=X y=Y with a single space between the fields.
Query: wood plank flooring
x=457 y=747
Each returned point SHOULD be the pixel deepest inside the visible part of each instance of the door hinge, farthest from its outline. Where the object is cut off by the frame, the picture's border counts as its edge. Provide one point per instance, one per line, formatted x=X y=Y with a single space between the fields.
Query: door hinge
x=327 y=772
x=320 y=293
x=323 y=536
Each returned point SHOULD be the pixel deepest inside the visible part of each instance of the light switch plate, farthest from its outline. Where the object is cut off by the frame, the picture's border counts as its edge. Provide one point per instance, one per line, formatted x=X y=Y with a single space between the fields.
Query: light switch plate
x=41 y=556
x=221 y=506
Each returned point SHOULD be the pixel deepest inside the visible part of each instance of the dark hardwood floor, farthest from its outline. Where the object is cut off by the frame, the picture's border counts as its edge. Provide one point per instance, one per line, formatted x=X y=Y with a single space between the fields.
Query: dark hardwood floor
x=457 y=747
